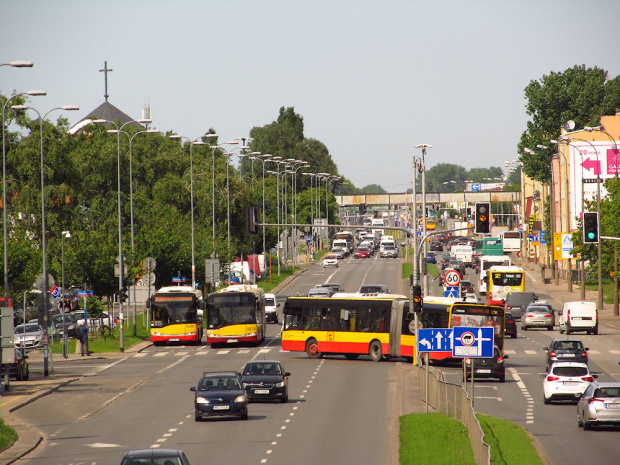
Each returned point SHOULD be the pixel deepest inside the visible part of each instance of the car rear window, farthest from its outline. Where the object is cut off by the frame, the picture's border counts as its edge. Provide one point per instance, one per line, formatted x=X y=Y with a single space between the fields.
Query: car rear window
x=570 y=371
x=607 y=392
x=569 y=345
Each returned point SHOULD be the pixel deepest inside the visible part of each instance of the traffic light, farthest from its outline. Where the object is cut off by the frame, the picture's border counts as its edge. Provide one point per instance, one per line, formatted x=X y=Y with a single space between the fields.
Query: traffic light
x=417 y=299
x=122 y=294
x=251 y=219
x=483 y=221
x=468 y=212
x=590 y=227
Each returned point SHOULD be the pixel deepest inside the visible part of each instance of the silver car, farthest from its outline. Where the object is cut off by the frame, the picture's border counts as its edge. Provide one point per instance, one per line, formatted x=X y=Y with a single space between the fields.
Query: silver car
x=599 y=405
x=537 y=316
x=28 y=335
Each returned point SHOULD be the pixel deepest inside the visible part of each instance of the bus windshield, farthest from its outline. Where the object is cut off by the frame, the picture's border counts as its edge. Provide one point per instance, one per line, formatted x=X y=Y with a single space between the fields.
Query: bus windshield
x=230 y=309
x=171 y=309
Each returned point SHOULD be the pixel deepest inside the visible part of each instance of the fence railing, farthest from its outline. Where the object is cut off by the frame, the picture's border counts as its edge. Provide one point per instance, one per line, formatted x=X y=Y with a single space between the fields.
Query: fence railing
x=453 y=401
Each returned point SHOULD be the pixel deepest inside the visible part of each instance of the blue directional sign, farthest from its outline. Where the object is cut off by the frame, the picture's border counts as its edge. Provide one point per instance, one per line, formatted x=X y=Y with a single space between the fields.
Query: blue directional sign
x=451 y=291
x=85 y=293
x=472 y=341
x=475 y=187
x=435 y=340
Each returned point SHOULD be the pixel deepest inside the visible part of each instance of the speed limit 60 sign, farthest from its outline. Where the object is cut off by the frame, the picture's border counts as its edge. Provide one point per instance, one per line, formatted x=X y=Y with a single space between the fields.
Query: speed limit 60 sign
x=452 y=278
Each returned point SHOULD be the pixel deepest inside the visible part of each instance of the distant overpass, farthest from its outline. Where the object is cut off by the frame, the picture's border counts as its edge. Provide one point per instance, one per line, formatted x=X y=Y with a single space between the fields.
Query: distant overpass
x=431 y=197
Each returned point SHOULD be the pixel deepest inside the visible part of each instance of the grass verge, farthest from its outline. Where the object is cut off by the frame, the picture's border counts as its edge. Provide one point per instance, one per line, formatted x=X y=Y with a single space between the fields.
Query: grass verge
x=7 y=435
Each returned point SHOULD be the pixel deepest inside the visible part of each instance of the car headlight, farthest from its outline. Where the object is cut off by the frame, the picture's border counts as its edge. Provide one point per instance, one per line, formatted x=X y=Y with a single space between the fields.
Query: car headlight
x=280 y=384
x=202 y=400
x=240 y=400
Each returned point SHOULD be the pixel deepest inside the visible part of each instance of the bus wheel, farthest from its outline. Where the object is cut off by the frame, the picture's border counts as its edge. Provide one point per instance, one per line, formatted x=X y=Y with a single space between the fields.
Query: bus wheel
x=312 y=349
x=351 y=356
x=375 y=351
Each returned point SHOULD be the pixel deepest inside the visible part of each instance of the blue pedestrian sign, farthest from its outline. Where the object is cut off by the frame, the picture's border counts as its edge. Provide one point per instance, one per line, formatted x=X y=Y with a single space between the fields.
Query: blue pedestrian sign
x=472 y=341
x=435 y=340
x=451 y=291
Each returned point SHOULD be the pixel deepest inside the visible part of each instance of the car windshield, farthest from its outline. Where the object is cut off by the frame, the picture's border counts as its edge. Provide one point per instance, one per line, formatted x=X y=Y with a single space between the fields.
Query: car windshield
x=569 y=345
x=570 y=371
x=59 y=318
x=27 y=329
x=607 y=392
x=219 y=384
x=263 y=368
x=270 y=302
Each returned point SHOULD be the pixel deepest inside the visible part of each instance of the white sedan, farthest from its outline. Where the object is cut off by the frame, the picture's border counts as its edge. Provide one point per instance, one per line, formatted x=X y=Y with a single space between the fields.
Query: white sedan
x=566 y=381
x=28 y=336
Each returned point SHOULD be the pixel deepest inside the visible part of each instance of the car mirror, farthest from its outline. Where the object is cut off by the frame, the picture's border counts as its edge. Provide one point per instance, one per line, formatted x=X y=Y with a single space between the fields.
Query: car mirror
x=193 y=389
x=587 y=348
x=544 y=375
x=594 y=376
x=506 y=356
x=547 y=349
x=287 y=374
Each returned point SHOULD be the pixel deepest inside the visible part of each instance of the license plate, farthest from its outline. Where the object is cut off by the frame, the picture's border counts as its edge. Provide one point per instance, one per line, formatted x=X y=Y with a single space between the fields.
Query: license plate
x=567 y=355
x=261 y=391
x=174 y=339
x=221 y=407
x=483 y=370
x=612 y=405
x=233 y=340
x=569 y=383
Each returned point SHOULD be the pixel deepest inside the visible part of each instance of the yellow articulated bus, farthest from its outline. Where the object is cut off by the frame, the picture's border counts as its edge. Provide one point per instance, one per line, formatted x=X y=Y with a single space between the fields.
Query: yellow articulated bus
x=379 y=326
x=176 y=315
x=236 y=314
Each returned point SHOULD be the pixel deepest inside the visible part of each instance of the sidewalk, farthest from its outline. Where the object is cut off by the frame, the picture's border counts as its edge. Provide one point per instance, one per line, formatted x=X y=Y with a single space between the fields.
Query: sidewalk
x=26 y=392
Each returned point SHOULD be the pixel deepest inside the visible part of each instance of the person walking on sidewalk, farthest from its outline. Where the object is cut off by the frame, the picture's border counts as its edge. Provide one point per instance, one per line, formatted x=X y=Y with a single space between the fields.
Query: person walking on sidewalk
x=83 y=337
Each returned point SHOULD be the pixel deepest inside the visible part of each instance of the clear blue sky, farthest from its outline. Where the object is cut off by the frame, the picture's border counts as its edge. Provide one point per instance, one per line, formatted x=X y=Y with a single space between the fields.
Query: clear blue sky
x=371 y=78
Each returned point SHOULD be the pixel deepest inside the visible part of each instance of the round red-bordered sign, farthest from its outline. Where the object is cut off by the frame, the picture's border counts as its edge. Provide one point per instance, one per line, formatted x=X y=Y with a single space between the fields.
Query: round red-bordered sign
x=452 y=278
x=468 y=338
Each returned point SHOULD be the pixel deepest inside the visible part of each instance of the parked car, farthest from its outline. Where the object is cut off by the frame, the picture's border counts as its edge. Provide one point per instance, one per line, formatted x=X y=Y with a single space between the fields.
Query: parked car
x=28 y=336
x=431 y=257
x=155 y=456
x=64 y=323
x=599 y=405
x=566 y=381
x=220 y=394
x=517 y=302
x=486 y=367
x=510 y=326
x=330 y=260
x=271 y=308
x=265 y=380
x=537 y=316
x=578 y=316
x=374 y=289
x=18 y=369
x=566 y=350
x=436 y=246
x=362 y=252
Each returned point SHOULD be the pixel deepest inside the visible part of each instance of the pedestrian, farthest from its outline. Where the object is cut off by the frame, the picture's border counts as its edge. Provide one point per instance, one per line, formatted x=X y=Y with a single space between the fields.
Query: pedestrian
x=83 y=337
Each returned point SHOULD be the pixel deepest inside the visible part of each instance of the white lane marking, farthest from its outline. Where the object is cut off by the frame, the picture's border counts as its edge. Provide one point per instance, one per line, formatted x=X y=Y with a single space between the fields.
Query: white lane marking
x=173 y=364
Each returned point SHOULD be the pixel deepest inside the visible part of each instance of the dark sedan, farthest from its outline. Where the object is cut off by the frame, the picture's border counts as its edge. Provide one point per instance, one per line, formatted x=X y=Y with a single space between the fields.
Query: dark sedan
x=220 y=394
x=265 y=380
x=437 y=246
x=487 y=367
x=510 y=327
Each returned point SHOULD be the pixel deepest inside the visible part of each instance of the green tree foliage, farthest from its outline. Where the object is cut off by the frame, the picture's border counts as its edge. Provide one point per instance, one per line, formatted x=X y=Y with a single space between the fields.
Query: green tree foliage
x=580 y=94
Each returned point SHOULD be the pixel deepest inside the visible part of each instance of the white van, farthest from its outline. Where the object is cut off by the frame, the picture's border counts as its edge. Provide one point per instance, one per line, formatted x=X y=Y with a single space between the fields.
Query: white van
x=386 y=241
x=271 y=308
x=579 y=316
x=343 y=244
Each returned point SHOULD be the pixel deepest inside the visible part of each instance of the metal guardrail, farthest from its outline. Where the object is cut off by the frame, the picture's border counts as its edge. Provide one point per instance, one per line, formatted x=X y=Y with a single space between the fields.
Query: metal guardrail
x=453 y=401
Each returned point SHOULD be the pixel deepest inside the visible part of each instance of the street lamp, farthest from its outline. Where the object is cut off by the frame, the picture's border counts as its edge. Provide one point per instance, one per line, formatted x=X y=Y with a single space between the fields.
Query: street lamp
x=228 y=154
x=121 y=261
x=43 y=228
x=300 y=165
x=65 y=234
x=18 y=64
x=423 y=171
x=263 y=159
x=196 y=141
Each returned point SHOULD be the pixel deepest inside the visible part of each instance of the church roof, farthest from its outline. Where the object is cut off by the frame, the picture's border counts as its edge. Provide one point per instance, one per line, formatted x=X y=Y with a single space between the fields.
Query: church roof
x=105 y=111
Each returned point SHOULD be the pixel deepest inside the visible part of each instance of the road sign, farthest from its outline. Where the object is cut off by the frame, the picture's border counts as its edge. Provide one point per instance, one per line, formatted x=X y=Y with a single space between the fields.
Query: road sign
x=451 y=291
x=452 y=278
x=85 y=293
x=435 y=340
x=472 y=341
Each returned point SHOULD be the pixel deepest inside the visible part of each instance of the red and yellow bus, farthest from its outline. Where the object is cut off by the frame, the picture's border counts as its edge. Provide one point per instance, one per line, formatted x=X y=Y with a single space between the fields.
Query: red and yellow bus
x=502 y=280
x=350 y=325
x=444 y=312
x=176 y=315
x=236 y=314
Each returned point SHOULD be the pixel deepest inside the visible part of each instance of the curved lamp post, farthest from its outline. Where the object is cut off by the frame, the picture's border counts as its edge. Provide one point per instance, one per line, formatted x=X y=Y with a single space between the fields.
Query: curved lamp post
x=65 y=350
x=43 y=227
x=18 y=64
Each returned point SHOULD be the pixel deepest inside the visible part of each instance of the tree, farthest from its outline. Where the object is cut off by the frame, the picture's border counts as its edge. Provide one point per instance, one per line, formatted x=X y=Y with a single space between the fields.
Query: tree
x=580 y=94
x=373 y=189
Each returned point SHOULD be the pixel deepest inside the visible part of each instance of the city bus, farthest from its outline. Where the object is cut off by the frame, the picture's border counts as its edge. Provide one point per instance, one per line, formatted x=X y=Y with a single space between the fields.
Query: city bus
x=350 y=324
x=431 y=224
x=486 y=262
x=236 y=314
x=445 y=312
x=176 y=315
x=501 y=281
x=511 y=241
x=489 y=246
